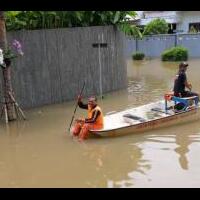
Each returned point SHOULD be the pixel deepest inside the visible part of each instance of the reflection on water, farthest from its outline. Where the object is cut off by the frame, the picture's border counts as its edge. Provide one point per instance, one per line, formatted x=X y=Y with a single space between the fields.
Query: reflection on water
x=40 y=153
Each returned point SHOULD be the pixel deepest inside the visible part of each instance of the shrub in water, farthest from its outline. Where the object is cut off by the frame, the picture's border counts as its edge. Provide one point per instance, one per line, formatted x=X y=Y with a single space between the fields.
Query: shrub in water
x=175 y=54
x=138 y=56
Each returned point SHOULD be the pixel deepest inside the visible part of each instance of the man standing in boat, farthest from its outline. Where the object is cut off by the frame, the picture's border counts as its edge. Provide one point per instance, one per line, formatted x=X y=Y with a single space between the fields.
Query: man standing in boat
x=181 y=83
x=94 y=121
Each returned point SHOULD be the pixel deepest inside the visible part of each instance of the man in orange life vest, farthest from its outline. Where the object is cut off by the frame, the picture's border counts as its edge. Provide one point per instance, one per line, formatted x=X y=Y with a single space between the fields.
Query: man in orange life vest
x=94 y=121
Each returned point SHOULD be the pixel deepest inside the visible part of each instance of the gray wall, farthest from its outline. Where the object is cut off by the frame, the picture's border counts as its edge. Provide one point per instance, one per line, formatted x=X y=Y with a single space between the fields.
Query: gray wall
x=56 y=62
x=191 y=42
x=153 y=46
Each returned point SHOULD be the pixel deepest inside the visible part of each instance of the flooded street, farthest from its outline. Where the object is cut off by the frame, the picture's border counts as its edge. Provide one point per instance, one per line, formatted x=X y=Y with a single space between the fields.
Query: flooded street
x=39 y=152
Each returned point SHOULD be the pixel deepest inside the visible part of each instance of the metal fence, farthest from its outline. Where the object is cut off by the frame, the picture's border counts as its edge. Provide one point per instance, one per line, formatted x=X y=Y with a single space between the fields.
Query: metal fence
x=154 y=45
x=56 y=62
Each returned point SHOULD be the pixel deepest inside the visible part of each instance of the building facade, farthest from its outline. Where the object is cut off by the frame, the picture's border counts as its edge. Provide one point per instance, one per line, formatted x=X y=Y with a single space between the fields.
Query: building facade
x=179 y=21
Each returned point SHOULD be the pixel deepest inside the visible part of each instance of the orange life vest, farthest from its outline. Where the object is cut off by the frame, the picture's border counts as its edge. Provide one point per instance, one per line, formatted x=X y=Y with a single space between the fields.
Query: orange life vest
x=98 y=124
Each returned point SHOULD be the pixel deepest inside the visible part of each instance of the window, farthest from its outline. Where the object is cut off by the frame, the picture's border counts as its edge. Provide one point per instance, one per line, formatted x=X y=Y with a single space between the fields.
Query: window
x=194 y=27
x=172 y=28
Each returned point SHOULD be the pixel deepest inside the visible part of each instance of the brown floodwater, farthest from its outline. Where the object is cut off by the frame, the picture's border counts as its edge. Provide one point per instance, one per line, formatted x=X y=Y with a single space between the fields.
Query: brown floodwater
x=39 y=153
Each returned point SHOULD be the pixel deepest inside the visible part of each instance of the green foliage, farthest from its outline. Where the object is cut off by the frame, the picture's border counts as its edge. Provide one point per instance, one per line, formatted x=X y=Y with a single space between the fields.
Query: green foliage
x=138 y=56
x=16 y=20
x=131 y=30
x=175 y=54
x=8 y=54
x=156 y=26
x=30 y=20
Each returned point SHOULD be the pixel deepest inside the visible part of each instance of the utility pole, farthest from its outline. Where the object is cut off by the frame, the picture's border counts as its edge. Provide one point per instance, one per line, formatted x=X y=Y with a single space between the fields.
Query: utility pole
x=100 y=45
x=100 y=67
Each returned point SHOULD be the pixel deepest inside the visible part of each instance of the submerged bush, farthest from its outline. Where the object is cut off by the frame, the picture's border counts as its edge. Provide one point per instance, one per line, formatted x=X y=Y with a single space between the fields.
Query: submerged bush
x=138 y=56
x=175 y=54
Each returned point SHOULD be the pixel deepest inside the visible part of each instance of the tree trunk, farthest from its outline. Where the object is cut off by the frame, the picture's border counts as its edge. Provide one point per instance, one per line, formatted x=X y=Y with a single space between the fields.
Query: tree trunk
x=3 y=40
x=6 y=72
x=8 y=89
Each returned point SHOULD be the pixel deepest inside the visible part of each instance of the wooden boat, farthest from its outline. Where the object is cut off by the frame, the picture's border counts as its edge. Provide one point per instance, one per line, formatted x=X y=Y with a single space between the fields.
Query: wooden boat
x=146 y=117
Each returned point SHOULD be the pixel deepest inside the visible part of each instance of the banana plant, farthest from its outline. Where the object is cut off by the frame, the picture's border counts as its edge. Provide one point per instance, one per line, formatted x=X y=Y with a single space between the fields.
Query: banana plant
x=131 y=30
x=16 y=20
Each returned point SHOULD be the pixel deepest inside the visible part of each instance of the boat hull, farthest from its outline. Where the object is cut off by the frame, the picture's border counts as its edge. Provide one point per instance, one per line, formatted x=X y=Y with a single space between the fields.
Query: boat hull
x=170 y=120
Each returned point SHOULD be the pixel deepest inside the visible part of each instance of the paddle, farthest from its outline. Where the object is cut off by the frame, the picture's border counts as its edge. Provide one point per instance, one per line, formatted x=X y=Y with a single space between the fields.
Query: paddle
x=76 y=106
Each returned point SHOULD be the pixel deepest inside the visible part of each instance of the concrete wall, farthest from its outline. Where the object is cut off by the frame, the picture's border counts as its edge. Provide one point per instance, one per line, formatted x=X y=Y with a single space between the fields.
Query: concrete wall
x=191 y=42
x=56 y=62
x=153 y=46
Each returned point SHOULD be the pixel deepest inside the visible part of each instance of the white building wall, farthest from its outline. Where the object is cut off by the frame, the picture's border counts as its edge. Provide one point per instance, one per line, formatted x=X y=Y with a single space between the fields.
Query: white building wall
x=140 y=14
x=169 y=16
x=181 y=18
x=159 y=14
x=187 y=17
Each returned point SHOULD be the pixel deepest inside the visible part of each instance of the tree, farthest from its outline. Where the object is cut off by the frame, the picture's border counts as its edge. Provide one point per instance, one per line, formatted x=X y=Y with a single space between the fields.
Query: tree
x=156 y=26
x=131 y=30
x=6 y=72
x=29 y=20
x=16 y=20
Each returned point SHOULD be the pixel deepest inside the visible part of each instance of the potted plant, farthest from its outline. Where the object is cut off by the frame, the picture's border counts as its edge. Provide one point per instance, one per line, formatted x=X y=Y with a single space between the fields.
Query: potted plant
x=7 y=55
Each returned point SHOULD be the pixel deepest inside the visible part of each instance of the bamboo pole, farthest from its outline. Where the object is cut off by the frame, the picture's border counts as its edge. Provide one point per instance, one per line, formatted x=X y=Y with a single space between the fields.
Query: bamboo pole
x=16 y=104
x=6 y=113
x=2 y=108
x=17 y=112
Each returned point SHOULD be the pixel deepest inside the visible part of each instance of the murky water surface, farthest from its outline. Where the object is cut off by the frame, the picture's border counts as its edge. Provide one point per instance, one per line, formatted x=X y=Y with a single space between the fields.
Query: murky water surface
x=39 y=153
